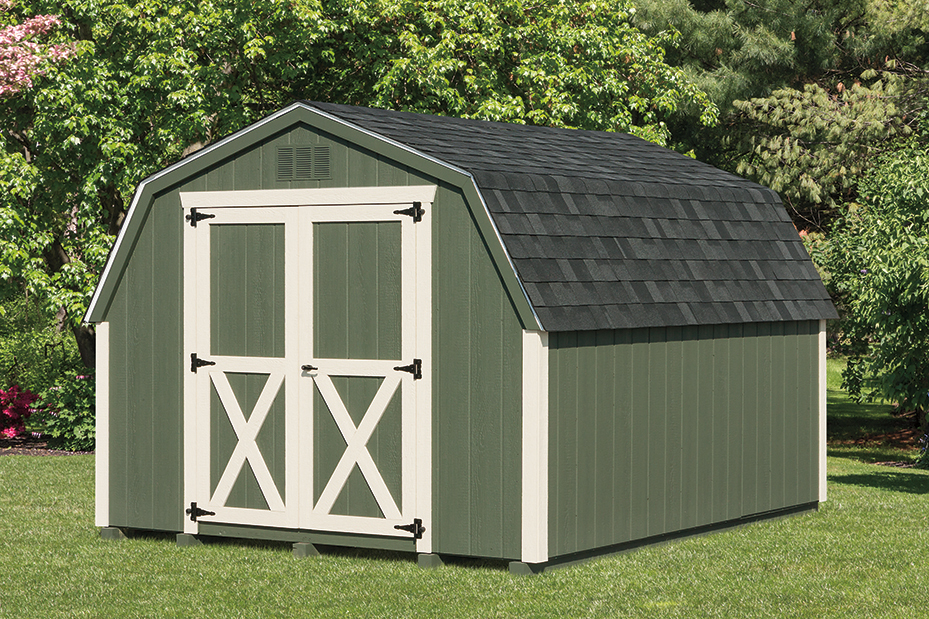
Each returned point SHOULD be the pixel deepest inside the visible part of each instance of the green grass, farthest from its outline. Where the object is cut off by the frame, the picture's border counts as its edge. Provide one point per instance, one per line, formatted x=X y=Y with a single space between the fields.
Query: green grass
x=863 y=554
x=856 y=430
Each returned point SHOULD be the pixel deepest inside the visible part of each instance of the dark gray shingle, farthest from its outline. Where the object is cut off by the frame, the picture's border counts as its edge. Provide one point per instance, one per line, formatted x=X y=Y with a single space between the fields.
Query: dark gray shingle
x=608 y=231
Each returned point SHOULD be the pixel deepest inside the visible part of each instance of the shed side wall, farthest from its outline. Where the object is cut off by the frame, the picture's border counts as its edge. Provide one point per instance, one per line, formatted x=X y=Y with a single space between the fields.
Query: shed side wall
x=477 y=362
x=477 y=393
x=654 y=431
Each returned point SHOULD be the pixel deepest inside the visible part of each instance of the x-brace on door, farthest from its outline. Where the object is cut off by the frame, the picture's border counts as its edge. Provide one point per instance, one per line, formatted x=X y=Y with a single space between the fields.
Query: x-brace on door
x=308 y=392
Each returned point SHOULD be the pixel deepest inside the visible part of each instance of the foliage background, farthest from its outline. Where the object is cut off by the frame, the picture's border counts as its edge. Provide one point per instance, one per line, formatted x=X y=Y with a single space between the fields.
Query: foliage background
x=808 y=98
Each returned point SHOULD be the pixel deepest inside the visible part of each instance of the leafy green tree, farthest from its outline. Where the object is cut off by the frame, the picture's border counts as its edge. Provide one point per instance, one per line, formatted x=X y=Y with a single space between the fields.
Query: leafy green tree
x=150 y=81
x=810 y=93
x=877 y=266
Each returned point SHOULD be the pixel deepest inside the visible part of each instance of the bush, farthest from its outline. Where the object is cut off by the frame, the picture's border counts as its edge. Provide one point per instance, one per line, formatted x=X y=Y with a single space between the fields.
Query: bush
x=66 y=417
x=878 y=272
x=15 y=408
x=34 y=352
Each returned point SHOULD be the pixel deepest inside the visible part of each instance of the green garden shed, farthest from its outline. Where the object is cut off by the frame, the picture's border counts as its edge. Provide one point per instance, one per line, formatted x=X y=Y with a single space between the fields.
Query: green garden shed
x=355 y=327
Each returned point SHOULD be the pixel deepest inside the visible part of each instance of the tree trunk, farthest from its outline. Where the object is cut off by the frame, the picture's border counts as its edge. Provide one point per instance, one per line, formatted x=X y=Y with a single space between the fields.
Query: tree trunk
x=85 y=337
x=86 y=340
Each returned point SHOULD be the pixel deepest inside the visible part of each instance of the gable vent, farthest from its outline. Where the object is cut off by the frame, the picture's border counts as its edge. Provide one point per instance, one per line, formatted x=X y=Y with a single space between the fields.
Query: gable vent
x=303 y=163
x=321 y=162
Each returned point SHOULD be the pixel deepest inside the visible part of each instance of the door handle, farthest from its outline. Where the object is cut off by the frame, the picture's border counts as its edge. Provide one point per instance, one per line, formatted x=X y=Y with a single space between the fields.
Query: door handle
x=308 y=368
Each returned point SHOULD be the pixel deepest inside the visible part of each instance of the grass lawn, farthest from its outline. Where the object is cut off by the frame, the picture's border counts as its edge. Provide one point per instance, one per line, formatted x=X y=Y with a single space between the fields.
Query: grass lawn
x=863 y=554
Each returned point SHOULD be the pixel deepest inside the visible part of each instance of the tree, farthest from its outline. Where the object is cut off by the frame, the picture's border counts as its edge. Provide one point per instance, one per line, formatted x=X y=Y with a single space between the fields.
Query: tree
x=150 y=81
x=810 y=93
x=812 y=145
x=22 y=55
x=877 y=265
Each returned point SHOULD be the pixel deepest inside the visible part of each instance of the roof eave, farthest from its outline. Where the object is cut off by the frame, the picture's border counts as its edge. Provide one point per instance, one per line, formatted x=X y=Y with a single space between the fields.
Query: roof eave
x=212 y=154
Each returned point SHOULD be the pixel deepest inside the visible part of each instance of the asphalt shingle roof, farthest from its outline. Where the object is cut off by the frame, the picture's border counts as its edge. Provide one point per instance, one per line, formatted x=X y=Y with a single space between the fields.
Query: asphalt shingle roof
x=608 y=231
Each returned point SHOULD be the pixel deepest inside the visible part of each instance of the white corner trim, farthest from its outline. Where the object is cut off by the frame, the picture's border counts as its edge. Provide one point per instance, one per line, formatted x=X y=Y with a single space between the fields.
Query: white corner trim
x=102 y=448
x=822 y=410
x=328 y=196
x=535 y=447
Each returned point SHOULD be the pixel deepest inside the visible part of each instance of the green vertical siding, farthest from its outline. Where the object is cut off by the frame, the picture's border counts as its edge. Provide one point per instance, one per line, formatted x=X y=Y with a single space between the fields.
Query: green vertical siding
x=477 y=362
x=146 y=402
x=659 y=430
x=247 y=290
x=356 y=290
x=477 y=354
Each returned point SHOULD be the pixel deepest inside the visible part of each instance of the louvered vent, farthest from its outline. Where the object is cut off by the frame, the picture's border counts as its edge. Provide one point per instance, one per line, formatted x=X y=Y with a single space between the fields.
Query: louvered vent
x=285 y=164
x=321 y=162
x=303 y=163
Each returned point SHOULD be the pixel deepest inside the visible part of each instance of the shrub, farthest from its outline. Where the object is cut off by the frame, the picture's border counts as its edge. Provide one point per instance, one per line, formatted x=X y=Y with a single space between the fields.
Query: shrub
x=34 y=352
x=15 y=408
x=878 y=264
x=66 y=416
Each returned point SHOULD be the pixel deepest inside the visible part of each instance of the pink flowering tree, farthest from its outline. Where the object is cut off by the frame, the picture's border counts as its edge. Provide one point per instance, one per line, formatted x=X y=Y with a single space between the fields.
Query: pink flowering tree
x=23 y=54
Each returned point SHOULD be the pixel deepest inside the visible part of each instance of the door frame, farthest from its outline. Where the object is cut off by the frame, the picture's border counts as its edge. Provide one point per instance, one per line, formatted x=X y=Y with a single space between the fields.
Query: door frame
x=398 y=196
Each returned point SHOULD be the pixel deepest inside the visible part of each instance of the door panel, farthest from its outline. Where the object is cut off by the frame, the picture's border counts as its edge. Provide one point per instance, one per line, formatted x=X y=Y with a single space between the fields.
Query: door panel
x=270 y=440
x=384 y=446
x=247 y=289
x=302 y=416
x=357 y=290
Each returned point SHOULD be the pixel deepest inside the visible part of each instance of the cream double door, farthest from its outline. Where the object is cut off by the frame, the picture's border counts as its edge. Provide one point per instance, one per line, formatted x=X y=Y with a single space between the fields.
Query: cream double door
x=307 y=330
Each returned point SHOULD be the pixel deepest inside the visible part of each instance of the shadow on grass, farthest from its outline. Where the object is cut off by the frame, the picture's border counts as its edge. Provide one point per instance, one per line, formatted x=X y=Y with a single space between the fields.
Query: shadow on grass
x=892 y=479
x=873 y=453
x=851 y=420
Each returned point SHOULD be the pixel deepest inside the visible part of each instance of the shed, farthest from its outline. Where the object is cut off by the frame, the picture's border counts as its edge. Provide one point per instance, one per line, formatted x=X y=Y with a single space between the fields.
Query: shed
x=356 y=327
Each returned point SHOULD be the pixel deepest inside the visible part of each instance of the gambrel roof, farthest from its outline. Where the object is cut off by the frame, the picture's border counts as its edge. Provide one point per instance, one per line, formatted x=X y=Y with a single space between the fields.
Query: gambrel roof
x=607 y=231
x=589 y=230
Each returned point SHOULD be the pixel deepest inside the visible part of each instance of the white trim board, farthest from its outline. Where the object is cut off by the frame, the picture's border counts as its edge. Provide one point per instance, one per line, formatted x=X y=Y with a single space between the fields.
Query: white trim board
x=535 y=447
x=330 y=196
x=102 y=422
x=822 y=411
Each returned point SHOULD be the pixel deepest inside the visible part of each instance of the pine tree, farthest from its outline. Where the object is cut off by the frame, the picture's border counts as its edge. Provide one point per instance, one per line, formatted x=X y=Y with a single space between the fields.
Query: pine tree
x=809 y=93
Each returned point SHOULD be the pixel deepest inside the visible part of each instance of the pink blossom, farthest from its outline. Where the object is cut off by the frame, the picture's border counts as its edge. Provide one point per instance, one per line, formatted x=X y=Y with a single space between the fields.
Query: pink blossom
x=21 y=57
x=14 y=406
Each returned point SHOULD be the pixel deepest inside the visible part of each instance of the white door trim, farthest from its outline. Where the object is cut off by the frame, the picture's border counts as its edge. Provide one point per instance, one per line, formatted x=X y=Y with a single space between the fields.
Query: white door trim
x=342 y=204
x=338 y=196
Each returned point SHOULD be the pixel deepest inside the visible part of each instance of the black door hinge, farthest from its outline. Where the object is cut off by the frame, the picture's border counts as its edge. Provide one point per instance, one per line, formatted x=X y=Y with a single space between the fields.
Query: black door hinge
x=195 y=512
x=416 y=212
x=194 y=217
x=415 y=368
x=196 y=362
x=417 y=528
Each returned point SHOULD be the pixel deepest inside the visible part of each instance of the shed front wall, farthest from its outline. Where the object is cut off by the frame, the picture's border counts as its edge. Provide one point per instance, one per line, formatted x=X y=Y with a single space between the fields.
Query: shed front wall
x=476 y=350
x=653 y=431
